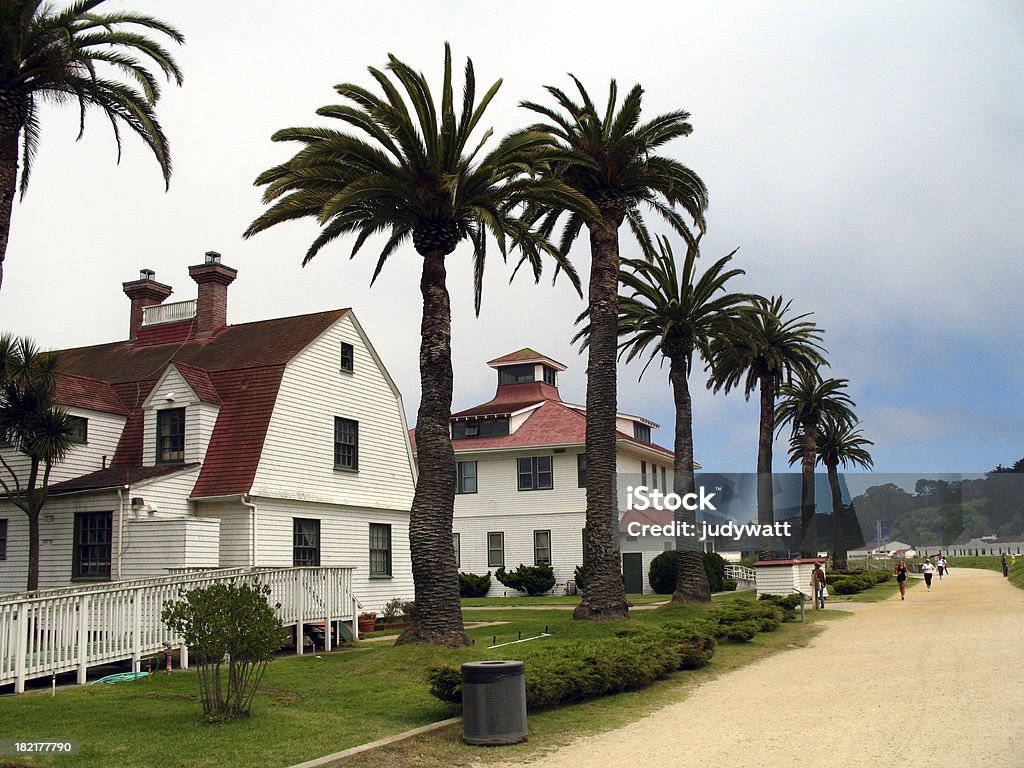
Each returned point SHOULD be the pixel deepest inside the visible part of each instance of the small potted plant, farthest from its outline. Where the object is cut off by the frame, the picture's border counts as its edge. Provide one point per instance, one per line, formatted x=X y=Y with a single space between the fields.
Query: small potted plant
x=367 y=620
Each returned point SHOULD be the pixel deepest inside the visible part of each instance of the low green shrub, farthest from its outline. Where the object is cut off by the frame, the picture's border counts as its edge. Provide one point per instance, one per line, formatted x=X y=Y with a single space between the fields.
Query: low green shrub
x=580 y=576
x=634 y=658
x=788 y=604
x=534 y=580
x=729 y=585
x=714 y=568
x=742 y=632
x=847 y=586
x=663 y=572
x=471 y=585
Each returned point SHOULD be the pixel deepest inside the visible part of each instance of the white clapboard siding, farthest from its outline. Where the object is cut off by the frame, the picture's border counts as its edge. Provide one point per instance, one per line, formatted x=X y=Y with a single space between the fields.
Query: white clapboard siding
x=235 y=530
x=649 y=547
x=344 y=541
x=200 y=417
x=56 y=539
x=155 y=545
x=566 y=543
x=103 y=434
x=167 y=496
x=298 y=453
x=498 y=485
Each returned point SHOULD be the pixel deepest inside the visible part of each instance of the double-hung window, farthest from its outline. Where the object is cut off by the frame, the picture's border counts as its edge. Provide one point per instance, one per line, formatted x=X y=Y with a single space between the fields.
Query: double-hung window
x=496 y=550
x=91 y=551
x=305 y=542
x=465 y=474
x=347 y=357
x=542 y=547
x=380 y=550
x=170 y=436
x=581 y=470
x=346 y=443
x=535 y=473
x=79 y=430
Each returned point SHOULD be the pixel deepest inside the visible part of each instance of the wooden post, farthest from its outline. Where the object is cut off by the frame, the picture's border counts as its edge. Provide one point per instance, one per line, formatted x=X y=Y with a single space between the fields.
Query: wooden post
x=20 y=648
x=355 y=618
x=136 y=632
x=328 y=605
x=300 y=609
x=83 y=638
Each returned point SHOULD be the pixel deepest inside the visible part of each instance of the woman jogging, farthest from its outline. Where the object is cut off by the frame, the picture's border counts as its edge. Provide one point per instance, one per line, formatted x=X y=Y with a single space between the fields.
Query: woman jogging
x=901 y=578
x=927 y=568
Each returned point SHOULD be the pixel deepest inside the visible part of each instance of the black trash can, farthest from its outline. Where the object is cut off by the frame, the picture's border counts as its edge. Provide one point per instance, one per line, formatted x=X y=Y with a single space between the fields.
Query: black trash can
x=493 y=702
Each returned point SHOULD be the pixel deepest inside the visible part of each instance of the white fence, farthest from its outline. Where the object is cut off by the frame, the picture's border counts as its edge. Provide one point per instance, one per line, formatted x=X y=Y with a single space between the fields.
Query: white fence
x=740 y=573
x=72 y=629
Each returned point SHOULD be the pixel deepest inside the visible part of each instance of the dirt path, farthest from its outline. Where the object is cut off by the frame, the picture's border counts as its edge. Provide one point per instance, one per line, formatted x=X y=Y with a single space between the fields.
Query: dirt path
x=935 y=679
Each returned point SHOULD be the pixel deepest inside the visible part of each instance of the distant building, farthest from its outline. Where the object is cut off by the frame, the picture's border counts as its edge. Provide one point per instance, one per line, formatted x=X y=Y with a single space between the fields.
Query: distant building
x=521 y=472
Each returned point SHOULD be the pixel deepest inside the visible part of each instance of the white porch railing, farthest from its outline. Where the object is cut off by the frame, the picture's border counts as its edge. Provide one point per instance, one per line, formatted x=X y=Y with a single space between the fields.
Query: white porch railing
x=740 y=573
x=86 y=626
x=175 y=575
x=169 y=313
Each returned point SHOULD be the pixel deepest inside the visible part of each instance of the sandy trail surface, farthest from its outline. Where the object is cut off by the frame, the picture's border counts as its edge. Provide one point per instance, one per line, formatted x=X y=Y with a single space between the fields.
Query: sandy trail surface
x=936 y=679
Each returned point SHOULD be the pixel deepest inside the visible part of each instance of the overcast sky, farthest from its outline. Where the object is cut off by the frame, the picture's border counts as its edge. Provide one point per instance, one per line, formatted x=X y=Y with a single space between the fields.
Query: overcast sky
x=864 y=157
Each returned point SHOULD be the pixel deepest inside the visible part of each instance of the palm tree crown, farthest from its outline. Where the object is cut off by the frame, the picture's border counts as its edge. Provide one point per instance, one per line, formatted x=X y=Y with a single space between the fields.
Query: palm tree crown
x=808 y=400
x=410 y=169
x=76 y=55
x=843 y=443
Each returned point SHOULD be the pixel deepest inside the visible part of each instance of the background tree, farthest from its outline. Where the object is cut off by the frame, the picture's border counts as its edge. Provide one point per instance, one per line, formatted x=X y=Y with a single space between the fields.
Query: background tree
x=76 y=55
x=611 y=158
x=36 y=427
x=765 y=347
x=409 y=170
x=837 y=443
x=806 y=402
x=672 y=313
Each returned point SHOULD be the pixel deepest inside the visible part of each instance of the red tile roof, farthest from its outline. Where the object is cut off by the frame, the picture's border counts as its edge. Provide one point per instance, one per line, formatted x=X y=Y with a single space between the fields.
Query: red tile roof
x=200 y=382
x=113 y=477
x=240 y=368
x=93 y=395
x=510 y=398
x=660 y=517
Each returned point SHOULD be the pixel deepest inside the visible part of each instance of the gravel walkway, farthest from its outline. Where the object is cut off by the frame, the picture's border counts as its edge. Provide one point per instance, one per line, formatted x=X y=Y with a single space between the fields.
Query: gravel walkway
x=935 y=679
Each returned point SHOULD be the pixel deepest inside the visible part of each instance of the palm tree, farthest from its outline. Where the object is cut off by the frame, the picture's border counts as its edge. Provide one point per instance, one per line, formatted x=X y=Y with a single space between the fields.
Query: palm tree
x=807 y=402
x=672 y=314
x=408 y=169
x=55 y=56
x=762 y=351
x=840 y=443
x=611 y=158
x=33 y=424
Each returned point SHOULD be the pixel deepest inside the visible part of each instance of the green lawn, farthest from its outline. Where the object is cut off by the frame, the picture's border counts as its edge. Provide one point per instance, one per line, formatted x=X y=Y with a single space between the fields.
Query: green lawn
x=476 y=602
x=309 y=706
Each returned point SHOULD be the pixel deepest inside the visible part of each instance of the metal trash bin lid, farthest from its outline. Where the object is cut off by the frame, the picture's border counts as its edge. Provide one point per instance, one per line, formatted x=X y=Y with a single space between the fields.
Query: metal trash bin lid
x=484 y=672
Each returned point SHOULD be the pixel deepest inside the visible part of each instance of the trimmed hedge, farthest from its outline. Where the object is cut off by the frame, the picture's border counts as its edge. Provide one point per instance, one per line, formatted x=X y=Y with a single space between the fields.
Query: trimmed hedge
x=534 y=580
x=633 y=659
x=471 y=585
x=662 y=573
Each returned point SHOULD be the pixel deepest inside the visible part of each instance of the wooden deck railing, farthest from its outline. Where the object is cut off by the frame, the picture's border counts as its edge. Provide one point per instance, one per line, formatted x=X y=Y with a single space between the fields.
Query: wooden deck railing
x=72 y=629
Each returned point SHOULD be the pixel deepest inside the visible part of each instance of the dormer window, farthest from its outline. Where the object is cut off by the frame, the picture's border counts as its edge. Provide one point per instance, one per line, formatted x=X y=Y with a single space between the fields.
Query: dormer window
x=549 y=375
x=641 y=432
x=170 y=436
x=79 y=430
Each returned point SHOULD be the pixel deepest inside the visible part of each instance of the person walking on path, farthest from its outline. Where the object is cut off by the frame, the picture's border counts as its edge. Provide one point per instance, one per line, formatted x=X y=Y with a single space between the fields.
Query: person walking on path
x=901 y=578
x=941 y=565
x=818 y=586
x=1006 y=568
x=927 y=569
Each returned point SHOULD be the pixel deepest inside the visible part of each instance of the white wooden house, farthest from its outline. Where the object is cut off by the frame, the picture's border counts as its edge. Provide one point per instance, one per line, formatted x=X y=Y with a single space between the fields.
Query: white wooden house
x=521 y=493
x=202 y=444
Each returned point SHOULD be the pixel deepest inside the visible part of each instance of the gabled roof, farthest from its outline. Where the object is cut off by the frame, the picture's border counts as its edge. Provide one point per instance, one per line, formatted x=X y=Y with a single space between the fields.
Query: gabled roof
x=239 y=368
x=200 y=382
x=652 y=516
x=90 y=394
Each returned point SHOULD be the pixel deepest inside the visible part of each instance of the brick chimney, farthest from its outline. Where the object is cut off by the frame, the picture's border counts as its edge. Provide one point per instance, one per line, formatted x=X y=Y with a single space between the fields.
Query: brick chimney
x=144 y=292
x=213 y=279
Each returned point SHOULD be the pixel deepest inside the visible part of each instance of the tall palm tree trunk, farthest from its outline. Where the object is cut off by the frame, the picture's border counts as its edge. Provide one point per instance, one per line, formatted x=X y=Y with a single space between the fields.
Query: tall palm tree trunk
x=435 y=577
x=765 y=485
x=838 y=519
x=604 y=595
x=808 y=529
x=33 y=550
x=691 y=580
x=11 y=119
